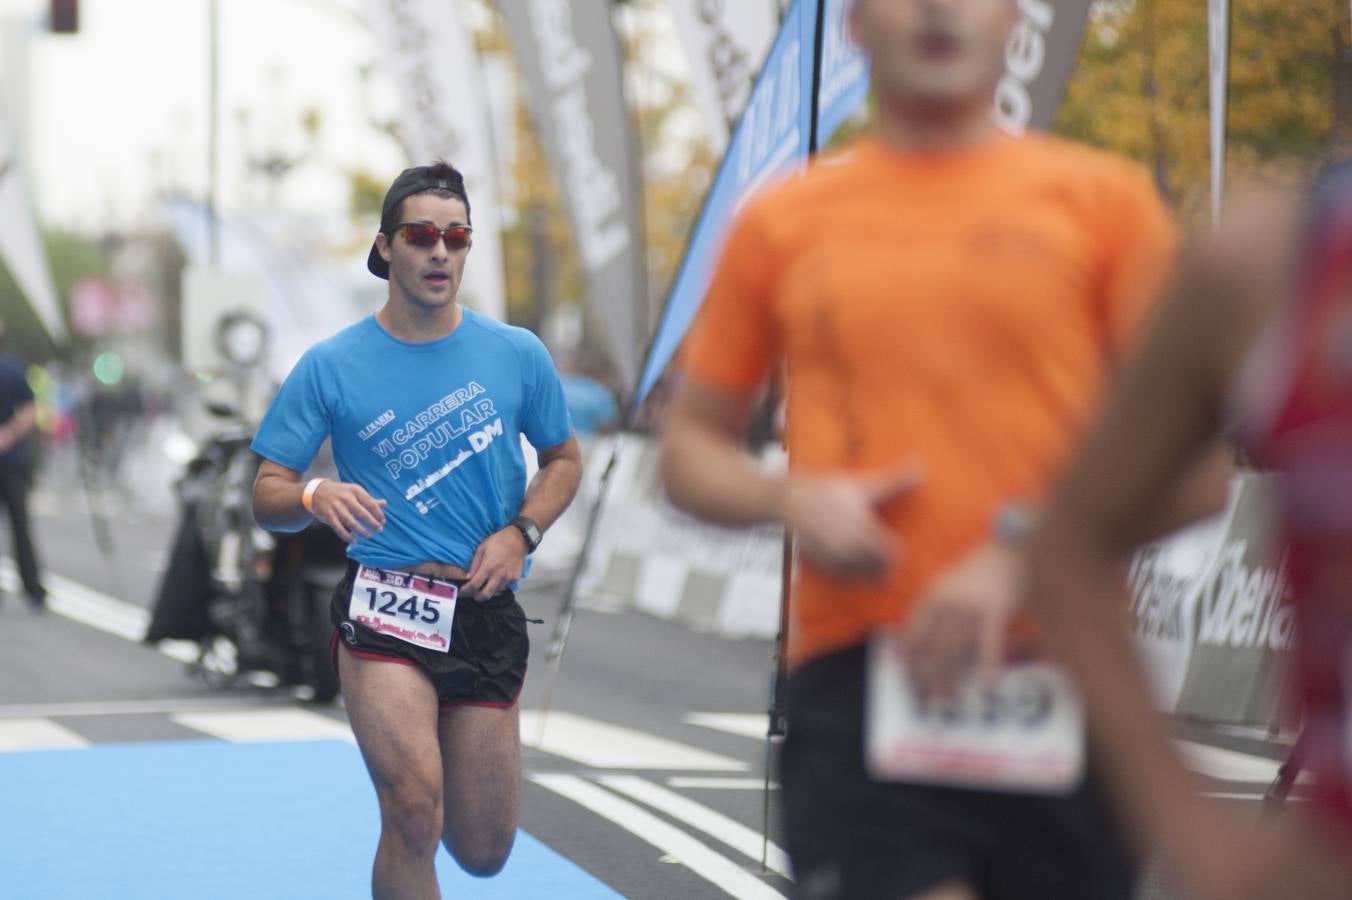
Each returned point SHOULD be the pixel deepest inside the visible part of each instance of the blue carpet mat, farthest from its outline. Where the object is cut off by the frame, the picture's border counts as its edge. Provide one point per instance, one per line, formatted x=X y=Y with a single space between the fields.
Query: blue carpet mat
x=209 y=819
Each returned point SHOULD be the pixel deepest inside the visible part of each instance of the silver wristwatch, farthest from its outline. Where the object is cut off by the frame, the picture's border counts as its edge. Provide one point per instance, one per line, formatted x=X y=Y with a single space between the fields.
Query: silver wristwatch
x=1014 y=523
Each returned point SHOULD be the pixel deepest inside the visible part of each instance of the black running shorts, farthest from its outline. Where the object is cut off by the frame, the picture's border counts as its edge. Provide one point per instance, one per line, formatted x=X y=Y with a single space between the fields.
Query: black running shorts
x=852 y=837
x=486 y=662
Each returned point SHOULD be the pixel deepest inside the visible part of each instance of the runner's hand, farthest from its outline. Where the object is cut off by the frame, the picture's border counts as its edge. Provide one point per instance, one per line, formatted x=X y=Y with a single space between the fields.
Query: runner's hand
x=835 y=520
x=959 y=623
x=497 y=562
x=348 y=509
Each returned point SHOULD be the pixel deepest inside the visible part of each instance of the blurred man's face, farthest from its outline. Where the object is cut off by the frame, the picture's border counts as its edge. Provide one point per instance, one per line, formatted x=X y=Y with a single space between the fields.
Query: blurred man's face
x=934 y=53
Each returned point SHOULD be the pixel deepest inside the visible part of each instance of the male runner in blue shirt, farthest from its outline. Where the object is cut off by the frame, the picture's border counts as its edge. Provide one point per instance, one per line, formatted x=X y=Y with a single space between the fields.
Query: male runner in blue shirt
x=425 y=403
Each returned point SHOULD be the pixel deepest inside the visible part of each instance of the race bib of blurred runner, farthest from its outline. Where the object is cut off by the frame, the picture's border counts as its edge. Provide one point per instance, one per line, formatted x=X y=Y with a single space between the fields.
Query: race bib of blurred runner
x=1024 y=732
x=412 y=608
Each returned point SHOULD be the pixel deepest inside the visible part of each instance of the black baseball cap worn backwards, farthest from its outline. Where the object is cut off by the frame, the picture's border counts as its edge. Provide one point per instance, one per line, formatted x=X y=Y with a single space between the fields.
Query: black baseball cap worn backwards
x=416 y=180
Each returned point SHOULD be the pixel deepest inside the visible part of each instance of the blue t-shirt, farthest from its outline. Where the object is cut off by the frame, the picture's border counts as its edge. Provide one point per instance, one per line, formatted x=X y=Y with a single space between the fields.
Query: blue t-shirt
x=434 y=429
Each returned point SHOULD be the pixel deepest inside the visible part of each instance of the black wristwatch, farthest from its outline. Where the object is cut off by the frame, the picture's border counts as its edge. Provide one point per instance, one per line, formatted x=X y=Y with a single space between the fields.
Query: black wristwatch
x=529 y=530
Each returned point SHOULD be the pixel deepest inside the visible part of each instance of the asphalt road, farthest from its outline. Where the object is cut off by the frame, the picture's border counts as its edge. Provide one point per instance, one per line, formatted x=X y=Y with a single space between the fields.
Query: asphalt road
x=132 y=779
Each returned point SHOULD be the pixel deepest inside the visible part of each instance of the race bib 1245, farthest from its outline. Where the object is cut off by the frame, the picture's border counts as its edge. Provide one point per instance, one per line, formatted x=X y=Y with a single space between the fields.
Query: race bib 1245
x=409 y=607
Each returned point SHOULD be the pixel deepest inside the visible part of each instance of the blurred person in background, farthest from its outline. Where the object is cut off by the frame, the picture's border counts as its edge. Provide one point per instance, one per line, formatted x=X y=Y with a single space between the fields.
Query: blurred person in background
x=1254 y=338
x=947 y=301
x=18 y=417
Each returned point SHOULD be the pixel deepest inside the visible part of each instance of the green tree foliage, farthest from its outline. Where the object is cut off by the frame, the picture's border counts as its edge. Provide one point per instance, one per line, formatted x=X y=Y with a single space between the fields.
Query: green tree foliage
x=71 y=256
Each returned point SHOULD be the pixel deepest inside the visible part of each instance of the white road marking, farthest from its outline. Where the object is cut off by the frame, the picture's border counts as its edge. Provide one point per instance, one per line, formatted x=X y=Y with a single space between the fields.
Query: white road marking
x=267 y=725
x=748 y=725
x=739 y=837
x=695 y=782
x=37 y=734
x=1214 y=762
x=138 y=707
x=711 y=866
x=81 y=603
x=605 y=746
x=592 y=743
x=1229 y=765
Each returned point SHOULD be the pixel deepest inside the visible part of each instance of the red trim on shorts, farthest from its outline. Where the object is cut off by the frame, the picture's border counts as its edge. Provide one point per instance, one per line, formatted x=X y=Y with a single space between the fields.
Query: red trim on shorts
x=364 y=654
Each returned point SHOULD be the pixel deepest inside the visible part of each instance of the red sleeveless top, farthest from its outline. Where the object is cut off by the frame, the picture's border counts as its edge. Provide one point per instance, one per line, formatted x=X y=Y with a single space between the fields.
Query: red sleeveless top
x=1305 y=432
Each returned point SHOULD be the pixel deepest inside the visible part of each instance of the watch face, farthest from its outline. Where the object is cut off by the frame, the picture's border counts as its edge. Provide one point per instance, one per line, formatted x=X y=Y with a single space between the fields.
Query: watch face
x=530 y=530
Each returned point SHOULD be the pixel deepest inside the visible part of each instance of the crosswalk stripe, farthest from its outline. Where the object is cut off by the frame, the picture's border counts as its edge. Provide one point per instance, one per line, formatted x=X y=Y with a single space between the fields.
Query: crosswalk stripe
x=602 y=745
x=202 y=703
x=744 y=840
x=1228 y=765
x=37 y=734
x=260 y=725
x=749 y=725
x=691 y=853
x=1214 y=762
x=695 y=783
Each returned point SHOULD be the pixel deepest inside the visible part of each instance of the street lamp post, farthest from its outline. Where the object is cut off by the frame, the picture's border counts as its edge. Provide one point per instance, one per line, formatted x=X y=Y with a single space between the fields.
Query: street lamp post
x=213 y=127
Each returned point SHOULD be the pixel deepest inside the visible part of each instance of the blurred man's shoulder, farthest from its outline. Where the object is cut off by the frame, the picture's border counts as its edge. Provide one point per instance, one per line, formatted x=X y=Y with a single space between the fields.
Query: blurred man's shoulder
x=1074 y=160
x=826 y=177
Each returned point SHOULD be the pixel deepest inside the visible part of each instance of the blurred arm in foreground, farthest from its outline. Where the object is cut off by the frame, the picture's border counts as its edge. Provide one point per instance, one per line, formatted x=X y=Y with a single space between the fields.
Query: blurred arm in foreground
x=1166 y=410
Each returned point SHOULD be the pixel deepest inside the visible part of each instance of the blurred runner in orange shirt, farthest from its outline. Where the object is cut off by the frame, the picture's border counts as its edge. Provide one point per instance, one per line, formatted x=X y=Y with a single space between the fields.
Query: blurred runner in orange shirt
x=946 y=301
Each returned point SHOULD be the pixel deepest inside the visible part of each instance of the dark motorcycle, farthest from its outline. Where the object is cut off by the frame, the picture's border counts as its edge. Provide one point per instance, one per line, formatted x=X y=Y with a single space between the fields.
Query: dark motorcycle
x=256 y=602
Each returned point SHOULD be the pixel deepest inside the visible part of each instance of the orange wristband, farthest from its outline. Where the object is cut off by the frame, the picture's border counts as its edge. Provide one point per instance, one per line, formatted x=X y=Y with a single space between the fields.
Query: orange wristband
x=307 y=498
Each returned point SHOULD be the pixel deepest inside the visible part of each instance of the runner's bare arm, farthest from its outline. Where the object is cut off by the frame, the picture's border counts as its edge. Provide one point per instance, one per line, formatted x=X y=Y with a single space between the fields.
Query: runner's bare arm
x=705 y=469
x=1162 y=418
x=833 y=518
x=346 y=508
x=501 y=558
x=555 y=483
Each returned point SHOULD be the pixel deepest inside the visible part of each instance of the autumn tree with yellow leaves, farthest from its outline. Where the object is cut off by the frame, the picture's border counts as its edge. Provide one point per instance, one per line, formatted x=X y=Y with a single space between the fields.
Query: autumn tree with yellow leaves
x=1141 y=89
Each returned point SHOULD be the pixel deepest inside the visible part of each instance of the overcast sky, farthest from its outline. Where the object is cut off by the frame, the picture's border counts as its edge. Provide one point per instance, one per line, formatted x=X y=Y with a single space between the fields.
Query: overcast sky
x=116 y=114
x=119 y=111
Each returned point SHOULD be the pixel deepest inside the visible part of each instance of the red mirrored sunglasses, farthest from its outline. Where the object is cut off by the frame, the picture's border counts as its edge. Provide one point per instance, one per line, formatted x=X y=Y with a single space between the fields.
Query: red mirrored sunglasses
x=420 y=234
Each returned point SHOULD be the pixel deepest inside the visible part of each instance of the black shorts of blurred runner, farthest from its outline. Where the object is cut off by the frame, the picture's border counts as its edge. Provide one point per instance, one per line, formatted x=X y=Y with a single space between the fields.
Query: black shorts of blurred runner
x=851 y=836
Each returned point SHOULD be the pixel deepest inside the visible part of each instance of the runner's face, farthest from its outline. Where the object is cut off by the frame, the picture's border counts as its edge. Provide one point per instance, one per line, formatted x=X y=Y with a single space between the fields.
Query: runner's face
x=934 y=53
x=428 y=277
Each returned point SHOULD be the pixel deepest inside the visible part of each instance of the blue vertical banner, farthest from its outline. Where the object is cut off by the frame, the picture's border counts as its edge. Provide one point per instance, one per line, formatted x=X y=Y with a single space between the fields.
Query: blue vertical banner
x=773 y=136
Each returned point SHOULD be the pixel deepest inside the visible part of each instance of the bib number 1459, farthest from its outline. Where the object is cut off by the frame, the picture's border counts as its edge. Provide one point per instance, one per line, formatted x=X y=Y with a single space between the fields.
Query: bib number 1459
x=1023 y=733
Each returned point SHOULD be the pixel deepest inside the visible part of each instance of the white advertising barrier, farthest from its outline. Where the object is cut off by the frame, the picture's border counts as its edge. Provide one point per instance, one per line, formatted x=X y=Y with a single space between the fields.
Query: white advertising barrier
x=649 y=556
x=1209 y=603
x=1212 y=613
x=1167 y=579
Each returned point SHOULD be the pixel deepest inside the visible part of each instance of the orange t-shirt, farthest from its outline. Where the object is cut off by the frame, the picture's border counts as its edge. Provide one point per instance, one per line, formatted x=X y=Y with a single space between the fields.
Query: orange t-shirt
x=959 y=310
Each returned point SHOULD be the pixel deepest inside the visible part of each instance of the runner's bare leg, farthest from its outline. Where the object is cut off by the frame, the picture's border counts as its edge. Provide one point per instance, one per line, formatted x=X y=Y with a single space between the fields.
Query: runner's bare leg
x=481 y=750
x=393 y=711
